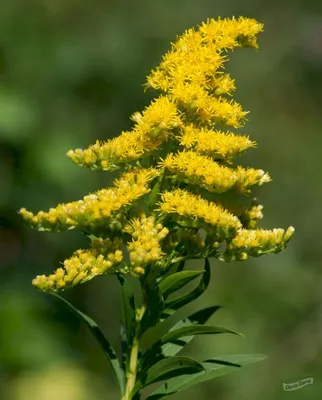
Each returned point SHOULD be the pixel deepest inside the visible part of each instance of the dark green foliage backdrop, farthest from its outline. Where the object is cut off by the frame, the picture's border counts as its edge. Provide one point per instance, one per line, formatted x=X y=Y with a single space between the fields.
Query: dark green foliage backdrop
x=70 y=73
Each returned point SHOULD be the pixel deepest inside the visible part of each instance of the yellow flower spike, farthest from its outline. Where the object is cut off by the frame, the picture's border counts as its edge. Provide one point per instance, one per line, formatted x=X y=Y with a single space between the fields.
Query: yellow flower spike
x=152 y=128
x=188 y=205
x=257 y=242
x=193 y=168
x=229 y=33
x=104 y=257
x=216 y=144
x=96 y=209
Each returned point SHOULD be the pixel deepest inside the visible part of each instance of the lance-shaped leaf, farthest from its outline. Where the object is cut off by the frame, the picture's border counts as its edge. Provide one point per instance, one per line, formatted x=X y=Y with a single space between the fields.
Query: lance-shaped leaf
x=200 y=317
x=172 y=305
x=154 y=310
x=128 y=310
x=155 y=192
x=195 y=330
x=214 y=367
x=176 y=281
x=166 y=369
x=159 y=351
x=103 y=342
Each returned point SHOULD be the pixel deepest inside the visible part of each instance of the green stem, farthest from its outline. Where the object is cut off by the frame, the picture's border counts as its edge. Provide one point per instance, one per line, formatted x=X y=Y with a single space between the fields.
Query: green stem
x=184 y=258
x=133 y=361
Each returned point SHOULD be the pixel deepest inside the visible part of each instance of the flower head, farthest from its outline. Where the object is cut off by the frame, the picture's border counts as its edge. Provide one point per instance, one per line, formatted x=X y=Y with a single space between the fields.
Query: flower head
x=185 y=139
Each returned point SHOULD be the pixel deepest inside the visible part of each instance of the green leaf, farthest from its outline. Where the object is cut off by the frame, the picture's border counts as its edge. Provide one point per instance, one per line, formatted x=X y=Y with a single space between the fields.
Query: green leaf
x=181 y=301
x=214 y=367
x=166 y=369
x=155 y=192
x=128 y=310
x=200 y=317
x=102 y=340
x=195 y=330
x=176 y=281
x=154 y=309
x=158 y=351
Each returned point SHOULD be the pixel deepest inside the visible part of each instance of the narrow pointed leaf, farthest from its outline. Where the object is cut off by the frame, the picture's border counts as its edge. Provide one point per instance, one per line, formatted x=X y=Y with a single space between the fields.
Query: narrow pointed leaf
x=153 y=312
x=166 y=369
x=181 y=301
x=102 y=340
x=128 y=309
x=215 y=367
x=195 y=330
x=159 y=351
x=155 y=192
x=200 y=317
x=176 y=281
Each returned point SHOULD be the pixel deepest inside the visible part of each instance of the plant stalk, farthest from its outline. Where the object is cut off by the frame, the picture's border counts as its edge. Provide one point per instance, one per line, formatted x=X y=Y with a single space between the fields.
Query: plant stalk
x=133 y=361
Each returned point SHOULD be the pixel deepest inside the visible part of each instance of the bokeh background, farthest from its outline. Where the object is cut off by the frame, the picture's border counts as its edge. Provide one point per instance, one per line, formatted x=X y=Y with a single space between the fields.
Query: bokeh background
x=72 y=72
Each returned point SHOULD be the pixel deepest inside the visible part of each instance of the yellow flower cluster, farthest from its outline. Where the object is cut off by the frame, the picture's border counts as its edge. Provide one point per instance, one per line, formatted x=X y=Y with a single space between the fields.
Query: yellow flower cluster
x=203 y=171
x=96 y=210
x=145 y=247
x=186 y=240
x=190 y=73
x=257 y=242
x=193 y=100
x=219 y=145
x=200 y=212
x=104 y=257
x=252 y=216
x=152 y=128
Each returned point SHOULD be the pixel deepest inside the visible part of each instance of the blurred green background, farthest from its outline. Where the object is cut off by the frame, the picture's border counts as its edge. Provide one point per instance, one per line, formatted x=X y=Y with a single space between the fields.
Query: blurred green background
x=72 y=72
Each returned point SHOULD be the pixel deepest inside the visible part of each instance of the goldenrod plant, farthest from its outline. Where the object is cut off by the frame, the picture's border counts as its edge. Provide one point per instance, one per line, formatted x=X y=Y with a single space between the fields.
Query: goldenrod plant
x=179 y=196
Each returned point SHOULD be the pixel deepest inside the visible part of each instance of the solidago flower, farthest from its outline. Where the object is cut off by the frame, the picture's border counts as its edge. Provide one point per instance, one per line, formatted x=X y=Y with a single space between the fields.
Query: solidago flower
x=200 y=212
x=103 y=257
x=145 y=246
x=201 y=170
x=257 y=242
x=152 y=128
x=184 y=139
x=214 y=143
x=97 y=210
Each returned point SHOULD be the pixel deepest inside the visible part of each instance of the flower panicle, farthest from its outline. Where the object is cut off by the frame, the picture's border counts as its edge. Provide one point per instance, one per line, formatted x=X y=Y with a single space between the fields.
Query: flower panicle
x=103 y=257
x=219 y=145
x=191 y=73
x=207 y=214
x=152 y=128
x=201 y=170
x=195 y=97
x=99 y=209
x=257 y=242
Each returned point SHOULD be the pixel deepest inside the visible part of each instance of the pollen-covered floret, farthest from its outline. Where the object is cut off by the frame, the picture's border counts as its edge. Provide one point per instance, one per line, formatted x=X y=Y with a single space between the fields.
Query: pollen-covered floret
x=104 y=256
x=252 y=215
